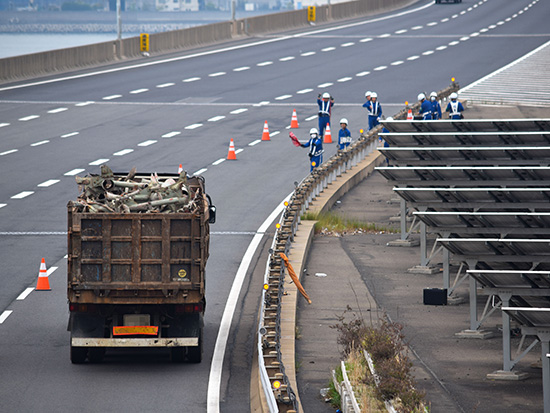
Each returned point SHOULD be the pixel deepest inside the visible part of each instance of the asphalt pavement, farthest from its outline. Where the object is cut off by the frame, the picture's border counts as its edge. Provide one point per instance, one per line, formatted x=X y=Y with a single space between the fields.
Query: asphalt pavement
x=362 y=272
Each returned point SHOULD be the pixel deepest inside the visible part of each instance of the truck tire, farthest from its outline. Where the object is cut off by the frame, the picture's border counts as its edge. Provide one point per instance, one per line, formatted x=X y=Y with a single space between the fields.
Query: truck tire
x=78 y=354
x=194 y=354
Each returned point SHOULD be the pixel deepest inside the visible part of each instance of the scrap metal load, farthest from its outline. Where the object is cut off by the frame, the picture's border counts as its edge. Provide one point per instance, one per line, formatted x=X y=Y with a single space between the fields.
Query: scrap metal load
x=108 y=192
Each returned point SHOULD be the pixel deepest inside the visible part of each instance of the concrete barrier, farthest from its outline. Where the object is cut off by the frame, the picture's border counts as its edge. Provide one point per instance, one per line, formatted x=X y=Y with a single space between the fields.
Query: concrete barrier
x=63 y=60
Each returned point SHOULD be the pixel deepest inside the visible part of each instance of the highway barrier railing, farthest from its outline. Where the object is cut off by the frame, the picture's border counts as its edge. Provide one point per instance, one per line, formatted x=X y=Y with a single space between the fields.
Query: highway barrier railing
x=74 y=58
x=275 y=384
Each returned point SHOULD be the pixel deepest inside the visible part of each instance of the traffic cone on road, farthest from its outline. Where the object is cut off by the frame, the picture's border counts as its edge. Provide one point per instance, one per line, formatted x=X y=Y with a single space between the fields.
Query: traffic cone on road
x=231 y=154
x=410 y=115
x=328 y=135
x=265 y=135
x=43 y=283
x=294 y=120
x=180 y=168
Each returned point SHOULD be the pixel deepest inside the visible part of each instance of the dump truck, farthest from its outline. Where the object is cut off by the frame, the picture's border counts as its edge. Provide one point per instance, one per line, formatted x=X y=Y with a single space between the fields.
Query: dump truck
x=137 y=251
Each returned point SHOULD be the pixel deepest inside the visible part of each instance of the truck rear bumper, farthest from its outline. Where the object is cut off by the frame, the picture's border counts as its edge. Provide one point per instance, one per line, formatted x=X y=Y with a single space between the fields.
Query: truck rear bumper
x=135 y=342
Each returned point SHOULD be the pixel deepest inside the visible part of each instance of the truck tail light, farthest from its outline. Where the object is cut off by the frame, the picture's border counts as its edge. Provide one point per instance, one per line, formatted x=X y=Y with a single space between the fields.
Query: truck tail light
x=189 y=308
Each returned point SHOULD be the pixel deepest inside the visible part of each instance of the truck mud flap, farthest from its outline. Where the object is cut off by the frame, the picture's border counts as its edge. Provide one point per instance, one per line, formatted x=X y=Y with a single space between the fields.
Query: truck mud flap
x=135 y=342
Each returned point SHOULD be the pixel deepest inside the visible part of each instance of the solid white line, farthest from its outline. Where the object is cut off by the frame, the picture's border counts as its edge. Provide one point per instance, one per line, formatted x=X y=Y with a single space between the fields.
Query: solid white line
x=58 y=110
x=219 y=161
x=8 y=152
x=147 y=143
x=27 y=118
x=170 y=134
x=68 y=135
x=137 y=91
x=25 y=293
x=74 y=172
x=5 y=315
x=200 y=171
x=48 y=183
x=214 y=380
x=257 y=141
x=40 y=143
x=22 y=195
x=123 y=152
x=99 y=162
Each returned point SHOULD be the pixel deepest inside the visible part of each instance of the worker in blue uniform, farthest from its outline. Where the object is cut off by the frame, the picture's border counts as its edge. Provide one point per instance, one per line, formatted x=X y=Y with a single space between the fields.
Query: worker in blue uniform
x=316 y=150
x=425 y=107
x=325 y=102
x=436 y=107
x=344 y=135
x=454 y=107
x=374 y=110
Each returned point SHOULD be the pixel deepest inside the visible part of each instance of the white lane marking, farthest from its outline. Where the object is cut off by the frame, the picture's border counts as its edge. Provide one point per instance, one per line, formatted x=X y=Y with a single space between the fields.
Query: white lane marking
x=111 y=97
x=301 y=92
x=216 y=367
x=328 y=49
x=475 y=34
x=4 y=124
x=50 y=271
x=73 y=172
x=454 y=16
x=170 y=134
x=237 y=111
x=40 y=143
x=193 y=126
x=48 y=183
x=272 y=134
x=223 y=50
x=484 y=30
x=463 y=12
x=3 y=205
x=163 y=85
x=239 y=151
x=264 y=63
x=432 y=24
x=219 y=161
x=27 y=118
x=380 y=68
x=344 y=79
x=262 y=103
x=454 y=43
x=58 y=110
x=240 y=69
x=68 y=135
x=368 y=39
x=493 y=26
x=401 y=31
x=383 y=36
x=123 y=152
x=287 y=59
x=200 y=171
x=5 y=315
x=22 y=195
x=257 y=141
x=99 y=162
x=347 y=44
x=427 y=53
x=311 y=118
x=191 y=79
x=441 y=48
x=283 y=97
x=25 y=294
x=413 y=57
x=138 y=91
x=325 y=84
x=216 y=74
x=445 y=20
x=397 y=63
x=308 y=54
x=416 y=27
x=361 y=74
x=81 y=104
x=216 y=118
x=147 y=143
x=463 y=39
x=8 y=152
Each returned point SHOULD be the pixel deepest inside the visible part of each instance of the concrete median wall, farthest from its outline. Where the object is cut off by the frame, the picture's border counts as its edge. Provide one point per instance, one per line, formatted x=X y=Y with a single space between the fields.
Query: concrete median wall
x=74 y=58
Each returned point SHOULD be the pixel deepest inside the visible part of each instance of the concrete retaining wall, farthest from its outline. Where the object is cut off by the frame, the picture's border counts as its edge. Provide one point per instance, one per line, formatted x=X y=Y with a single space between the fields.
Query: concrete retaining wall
x=56 y=61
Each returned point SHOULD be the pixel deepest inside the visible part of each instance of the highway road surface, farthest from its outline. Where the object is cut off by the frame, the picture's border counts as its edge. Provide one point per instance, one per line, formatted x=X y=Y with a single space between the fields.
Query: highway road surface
x=184 y=108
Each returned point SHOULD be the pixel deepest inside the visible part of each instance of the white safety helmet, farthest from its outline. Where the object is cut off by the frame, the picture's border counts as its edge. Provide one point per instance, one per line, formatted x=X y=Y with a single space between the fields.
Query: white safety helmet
x=326 y=95
x=373 y=95
x=421 y=96
x=369 y=93
x=453 y=95
x=344 y=120
x=313 y=131
x=433 y=94
x=390 y=118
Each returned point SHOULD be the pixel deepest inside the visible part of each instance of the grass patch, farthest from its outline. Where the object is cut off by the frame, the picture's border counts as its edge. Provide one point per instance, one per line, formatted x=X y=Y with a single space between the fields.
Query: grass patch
x=330 y=223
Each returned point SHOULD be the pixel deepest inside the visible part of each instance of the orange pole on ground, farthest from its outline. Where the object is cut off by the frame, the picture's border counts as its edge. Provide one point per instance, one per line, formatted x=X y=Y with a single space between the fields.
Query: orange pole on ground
x=294 y=277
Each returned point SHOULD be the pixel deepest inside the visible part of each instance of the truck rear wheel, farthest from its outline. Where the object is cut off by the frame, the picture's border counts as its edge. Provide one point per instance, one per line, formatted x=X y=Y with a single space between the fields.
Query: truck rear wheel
x=78 y=354
x=194 y=354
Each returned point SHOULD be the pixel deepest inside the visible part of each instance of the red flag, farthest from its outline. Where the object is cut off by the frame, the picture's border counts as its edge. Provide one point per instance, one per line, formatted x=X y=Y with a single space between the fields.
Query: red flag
x=294 y=139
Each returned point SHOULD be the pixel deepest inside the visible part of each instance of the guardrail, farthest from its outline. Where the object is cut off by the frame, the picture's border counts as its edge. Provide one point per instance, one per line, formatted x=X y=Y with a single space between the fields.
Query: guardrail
x=274 y=382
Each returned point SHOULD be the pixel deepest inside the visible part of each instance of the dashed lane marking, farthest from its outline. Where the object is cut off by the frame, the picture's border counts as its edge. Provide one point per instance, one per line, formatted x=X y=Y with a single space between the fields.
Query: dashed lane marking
x=262 y=64
x=219 y=161
x=257 y=141
x=163 y=85
x=27 y=118
x=25 y=294
x=272 y=134
x=193 y=126
x=138 y=91
x=325 y=84
x=170 y=134
x=283 y=97
x=73 y=172
x=217 y=74
x=22 y=195
x=191 y=79
x=240 y=69
x=237 y=111
x=148 y=142
x=344 y=79
x=81 y=104
x=239 y=151
x=3 y=205
x=123 y=152
x=111 y=97
x=311 y=118
x=68 y=135
x=216 y=118
x=301 y=92
x=380 y=68
x=8 y=152
x=201 y=171
x=347 y=44
x=4 y=124
x=308 y=54
x=287 y=59
x=5 y=315
x=40 y=143
x=361 y=74
x=58 y=110
x=99 y=162
x=328 y=49
x=48 y=183
x=368 y=39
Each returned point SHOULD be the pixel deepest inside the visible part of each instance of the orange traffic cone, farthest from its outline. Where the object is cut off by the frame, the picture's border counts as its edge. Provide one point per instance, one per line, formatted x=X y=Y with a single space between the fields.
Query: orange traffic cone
x=328 y=135
x=410 y=115
x=231 y=154
x=265 y=135
x=180 y=169
x=43 y=280
x=294 y=120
